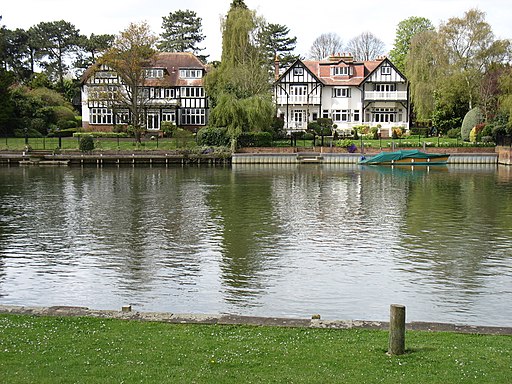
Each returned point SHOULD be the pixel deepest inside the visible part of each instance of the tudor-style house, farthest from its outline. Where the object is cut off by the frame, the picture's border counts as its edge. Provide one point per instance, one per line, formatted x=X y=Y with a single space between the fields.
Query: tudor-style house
x=172 y=91
x=351 y=93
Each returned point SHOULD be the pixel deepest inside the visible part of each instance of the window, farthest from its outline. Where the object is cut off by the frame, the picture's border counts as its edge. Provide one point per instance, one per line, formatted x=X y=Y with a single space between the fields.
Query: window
x=155 y=93
x=356 y=115
x=298 y=71
x=154 y=73
x=168 y=115
x=342 y=115
x=325 y=114
x=385 y=87
x=103 y=92
x=153 y=120
x=385 y=70
x=341 y=92
x=122 y=116
x=169 y=93
x=193 y=116
x=100 y=116
x=342 y=71
x=192 y=92
x=298 y=90
x=383 y=115
x=191 y=73
x=315 y=116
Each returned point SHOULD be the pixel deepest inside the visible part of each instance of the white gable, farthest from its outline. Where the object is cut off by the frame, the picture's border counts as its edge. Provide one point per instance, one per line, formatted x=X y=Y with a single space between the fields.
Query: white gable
x=298 y=73
x=386 y=73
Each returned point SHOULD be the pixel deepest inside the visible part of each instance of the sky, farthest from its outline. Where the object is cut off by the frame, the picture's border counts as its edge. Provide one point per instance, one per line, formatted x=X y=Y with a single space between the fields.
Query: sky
x=306 y=19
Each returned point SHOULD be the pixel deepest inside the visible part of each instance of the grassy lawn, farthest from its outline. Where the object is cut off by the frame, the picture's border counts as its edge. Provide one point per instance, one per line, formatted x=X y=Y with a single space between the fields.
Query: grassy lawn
x=70 y=143
x=86 y=350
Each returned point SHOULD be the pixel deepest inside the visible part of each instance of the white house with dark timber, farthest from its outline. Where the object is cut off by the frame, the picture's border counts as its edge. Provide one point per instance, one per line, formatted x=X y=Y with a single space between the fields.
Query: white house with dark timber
x=172 y=90
x=351 y=93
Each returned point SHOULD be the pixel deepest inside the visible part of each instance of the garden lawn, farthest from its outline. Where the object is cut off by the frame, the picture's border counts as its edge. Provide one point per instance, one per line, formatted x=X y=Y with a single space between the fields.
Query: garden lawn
x=88 y=350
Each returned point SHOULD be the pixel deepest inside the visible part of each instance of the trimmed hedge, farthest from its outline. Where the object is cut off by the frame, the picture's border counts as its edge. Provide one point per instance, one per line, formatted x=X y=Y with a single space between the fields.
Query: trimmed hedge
x=255 y=139
x=213 y=137
x=101 y=134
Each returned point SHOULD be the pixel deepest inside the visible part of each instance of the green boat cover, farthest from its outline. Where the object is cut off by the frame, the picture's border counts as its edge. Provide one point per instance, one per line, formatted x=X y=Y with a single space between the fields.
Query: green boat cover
x=387 y=157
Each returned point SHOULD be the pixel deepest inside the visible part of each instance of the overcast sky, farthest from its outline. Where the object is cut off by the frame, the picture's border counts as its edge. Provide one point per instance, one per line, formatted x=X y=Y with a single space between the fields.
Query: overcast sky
x=306 y=19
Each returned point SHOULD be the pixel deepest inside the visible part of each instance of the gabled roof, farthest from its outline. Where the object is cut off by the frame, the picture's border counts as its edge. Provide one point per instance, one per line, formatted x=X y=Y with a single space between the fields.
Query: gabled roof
x=321 y=70
x=295 y=64
x=171 y=62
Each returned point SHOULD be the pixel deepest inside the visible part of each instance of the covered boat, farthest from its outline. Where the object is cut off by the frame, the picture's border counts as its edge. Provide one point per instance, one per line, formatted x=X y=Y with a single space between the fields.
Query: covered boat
x=409 y=157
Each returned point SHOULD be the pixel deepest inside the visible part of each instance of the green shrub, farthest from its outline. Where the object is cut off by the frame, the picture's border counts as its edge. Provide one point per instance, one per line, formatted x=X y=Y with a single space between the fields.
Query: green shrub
x=213 y=137
x=86 y=143
x=101 y=134
x=472 y=119
x=453 y=133
x=39 y=125
x=168 y=128
x=255 y=139
x=30 y=133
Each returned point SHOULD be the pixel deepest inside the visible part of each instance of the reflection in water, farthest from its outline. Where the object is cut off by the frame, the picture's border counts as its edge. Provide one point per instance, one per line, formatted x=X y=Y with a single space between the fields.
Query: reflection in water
x=340 y=240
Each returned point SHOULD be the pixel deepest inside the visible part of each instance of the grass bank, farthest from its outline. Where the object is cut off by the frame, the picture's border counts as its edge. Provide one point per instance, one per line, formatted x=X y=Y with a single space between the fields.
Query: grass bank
x=91 y=350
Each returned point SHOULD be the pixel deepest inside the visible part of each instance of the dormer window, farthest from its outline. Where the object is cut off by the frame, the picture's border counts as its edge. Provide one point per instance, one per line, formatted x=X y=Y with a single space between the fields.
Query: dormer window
x=342 y=71
x=154 y=73
x=191 y=73
x=385 y=70
x=298 y=71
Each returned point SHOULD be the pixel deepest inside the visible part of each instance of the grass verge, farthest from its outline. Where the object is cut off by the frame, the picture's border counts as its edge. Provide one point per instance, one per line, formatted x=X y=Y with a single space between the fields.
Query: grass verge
x=90 y=350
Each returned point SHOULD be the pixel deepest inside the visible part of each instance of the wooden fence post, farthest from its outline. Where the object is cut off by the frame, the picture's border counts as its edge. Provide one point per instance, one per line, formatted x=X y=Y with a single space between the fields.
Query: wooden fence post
x=396 y=330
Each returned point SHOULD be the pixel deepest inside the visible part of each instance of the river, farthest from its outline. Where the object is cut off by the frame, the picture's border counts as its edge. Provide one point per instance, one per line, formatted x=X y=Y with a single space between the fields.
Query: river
x=343 y=241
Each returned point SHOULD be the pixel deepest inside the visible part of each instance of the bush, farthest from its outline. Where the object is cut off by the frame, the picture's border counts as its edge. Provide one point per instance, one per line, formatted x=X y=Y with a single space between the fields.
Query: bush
x=40 y=125
x=66 y=124
x=255 y=139
x=101 y=134
x=168 y=128
x=453 y=133
x=30 y=133
x=213 y=137
x=396 y=132
x=86 y=144
x=471 y=120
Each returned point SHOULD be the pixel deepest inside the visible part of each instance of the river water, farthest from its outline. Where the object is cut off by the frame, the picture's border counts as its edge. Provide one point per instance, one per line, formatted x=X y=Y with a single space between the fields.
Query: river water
x=339 y=240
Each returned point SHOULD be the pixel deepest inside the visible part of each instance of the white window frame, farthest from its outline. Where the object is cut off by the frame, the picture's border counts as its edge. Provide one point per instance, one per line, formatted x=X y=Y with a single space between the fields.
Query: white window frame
x=100 y=116
x=193 y=116
x=385 y=70
x=191 y=73
x=341 y=92
x=154 y=73
x=191 y=92
x=342 y=71
x=298 y=71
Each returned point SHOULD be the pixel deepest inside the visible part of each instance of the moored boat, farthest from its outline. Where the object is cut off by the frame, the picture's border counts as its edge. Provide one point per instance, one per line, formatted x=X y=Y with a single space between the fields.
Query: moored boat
x=407 y=157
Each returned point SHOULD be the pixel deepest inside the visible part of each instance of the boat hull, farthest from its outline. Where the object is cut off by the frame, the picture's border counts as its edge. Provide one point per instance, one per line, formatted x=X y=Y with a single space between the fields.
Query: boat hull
x=411 y=157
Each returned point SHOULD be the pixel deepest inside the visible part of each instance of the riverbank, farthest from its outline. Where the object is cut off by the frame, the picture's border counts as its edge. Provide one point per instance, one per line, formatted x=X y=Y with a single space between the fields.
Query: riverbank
x=286 y=155
x=97 y=350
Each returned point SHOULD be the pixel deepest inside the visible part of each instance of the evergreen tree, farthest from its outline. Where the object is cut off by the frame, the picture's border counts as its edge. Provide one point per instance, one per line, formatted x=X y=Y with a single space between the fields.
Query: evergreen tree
x=91 y=47
x=182 y=33
x=55 y=41
x=275 y=41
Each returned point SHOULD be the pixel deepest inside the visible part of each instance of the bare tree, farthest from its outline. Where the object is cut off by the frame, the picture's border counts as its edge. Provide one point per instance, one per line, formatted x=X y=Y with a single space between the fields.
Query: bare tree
x=366 y=46
x=324 y=45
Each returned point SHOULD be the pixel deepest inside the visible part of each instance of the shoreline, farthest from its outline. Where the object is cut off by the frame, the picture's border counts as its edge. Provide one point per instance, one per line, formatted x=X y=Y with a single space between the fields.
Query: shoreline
x=125 y=313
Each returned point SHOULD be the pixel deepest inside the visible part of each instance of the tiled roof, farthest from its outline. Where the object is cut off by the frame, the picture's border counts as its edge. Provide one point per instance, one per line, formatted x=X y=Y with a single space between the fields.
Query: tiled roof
x=171 y=62
x=361 y=69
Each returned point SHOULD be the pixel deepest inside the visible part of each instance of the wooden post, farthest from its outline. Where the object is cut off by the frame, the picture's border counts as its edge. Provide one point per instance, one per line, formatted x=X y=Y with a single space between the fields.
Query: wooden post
x=396 y=330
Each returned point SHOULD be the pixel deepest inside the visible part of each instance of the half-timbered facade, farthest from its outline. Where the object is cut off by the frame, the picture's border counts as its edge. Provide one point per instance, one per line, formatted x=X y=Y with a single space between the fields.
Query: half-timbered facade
x=349 y=92
x=172 y=90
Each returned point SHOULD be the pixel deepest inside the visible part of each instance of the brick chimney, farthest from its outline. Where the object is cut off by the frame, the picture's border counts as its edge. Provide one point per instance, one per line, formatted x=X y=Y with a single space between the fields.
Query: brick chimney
x=276 y=66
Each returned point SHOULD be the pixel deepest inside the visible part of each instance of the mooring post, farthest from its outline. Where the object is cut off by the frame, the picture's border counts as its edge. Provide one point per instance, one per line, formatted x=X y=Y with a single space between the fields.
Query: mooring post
x=396 y=329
